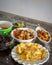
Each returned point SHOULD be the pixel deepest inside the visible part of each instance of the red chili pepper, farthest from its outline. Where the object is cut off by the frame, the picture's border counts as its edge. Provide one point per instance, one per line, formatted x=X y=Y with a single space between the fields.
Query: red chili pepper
x=15 y=33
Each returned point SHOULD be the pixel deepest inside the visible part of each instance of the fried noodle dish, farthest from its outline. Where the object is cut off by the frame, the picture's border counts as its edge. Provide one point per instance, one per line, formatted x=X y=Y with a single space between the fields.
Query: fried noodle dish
x=31 y=51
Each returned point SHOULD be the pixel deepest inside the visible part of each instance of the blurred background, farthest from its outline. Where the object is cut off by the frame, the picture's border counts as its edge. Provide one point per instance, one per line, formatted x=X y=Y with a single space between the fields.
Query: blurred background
x=35 y=9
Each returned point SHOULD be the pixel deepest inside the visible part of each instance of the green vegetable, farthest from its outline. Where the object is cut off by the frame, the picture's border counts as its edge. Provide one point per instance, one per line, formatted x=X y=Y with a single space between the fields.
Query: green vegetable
x=19 y=24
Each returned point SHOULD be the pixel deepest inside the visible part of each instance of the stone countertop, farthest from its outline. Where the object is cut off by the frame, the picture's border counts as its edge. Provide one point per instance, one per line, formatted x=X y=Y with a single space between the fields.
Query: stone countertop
x=31 y=23
x=13 y=18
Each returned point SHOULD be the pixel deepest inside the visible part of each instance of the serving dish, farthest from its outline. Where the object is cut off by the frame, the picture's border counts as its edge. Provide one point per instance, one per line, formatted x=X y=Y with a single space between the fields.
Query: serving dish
x=24 y=29
x=15 y=56
x=5 y=27
x=43 y=35
x=19 y=24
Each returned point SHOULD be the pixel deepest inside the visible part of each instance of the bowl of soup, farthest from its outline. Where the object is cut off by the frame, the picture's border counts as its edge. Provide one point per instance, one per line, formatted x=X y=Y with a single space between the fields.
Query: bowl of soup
x=5 y=27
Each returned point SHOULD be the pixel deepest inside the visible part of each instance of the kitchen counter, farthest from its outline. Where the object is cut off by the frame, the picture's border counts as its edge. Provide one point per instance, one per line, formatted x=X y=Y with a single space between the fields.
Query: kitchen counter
x=5 y=56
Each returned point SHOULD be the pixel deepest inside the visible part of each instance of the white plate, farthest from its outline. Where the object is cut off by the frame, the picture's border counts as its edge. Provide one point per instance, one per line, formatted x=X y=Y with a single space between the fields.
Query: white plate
x=41 y=28
x=35 y=35
x=15 y=57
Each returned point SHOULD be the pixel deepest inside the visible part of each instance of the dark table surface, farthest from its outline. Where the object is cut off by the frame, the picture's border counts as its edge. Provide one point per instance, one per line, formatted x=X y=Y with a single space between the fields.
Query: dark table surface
x=5 y=56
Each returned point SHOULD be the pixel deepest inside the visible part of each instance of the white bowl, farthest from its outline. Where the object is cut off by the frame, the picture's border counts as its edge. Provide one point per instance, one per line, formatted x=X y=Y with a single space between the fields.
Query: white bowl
x=41 y=28
x=40 y=62
x=34 y=32
x=7 y=24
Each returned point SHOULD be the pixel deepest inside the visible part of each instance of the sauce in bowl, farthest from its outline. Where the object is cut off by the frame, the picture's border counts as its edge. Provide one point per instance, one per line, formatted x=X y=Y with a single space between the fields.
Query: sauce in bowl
x=4 y=26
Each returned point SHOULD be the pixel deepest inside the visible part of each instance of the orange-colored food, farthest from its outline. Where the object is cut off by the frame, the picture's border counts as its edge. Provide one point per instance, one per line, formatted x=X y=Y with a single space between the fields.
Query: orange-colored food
x=43 y=35
x=23 y=34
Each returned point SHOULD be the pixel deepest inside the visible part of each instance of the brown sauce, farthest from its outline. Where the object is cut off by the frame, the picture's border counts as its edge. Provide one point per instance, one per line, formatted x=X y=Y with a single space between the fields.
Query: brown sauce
x=4 y=26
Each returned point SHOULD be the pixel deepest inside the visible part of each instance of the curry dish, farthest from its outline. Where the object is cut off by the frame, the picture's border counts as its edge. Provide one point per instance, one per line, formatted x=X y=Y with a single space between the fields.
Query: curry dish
x=43 y=35
x=23 y=34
